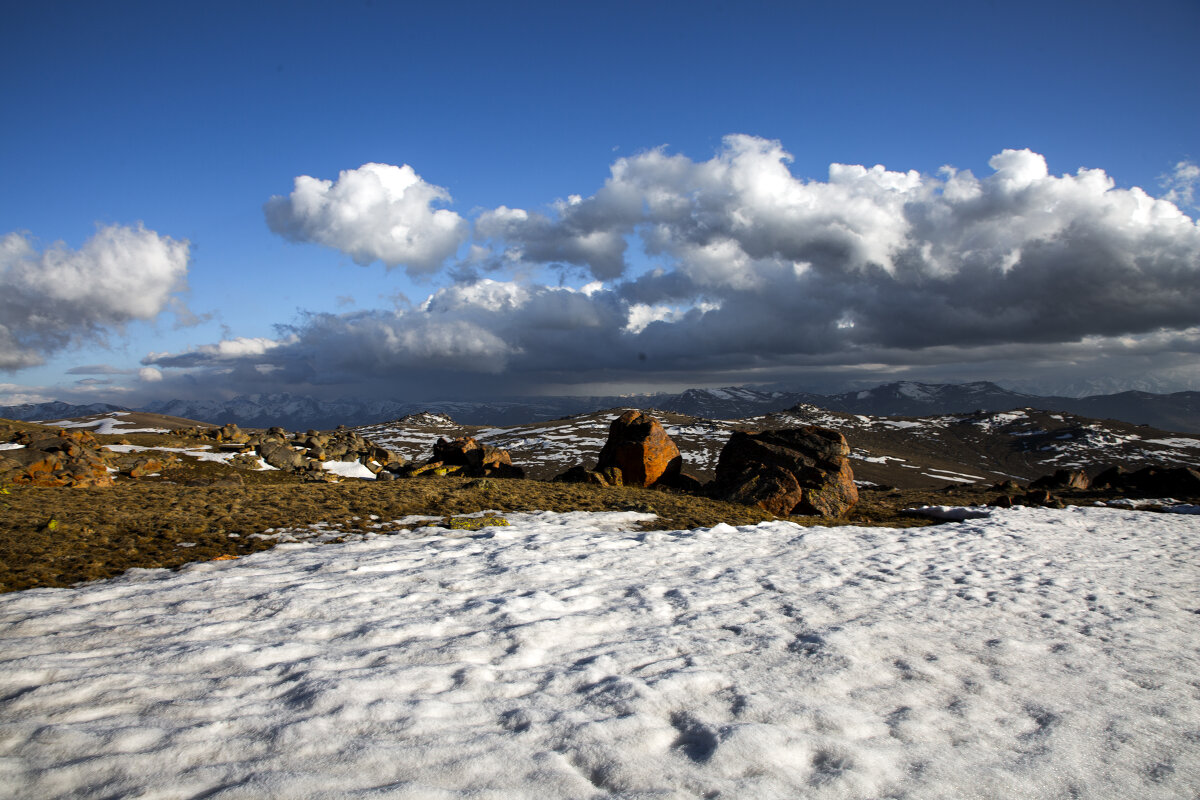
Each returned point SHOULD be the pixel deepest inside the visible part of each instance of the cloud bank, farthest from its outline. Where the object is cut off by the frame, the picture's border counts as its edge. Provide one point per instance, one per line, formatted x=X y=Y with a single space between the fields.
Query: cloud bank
x=60 y=296
x=378 y=212
x=758 y=274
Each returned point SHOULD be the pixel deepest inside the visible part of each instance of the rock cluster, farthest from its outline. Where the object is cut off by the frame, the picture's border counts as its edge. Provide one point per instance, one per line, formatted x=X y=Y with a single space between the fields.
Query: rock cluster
x=467 y=458
x=1147 y=482
x=791 y=471
x=304 y=453
x=56 y=458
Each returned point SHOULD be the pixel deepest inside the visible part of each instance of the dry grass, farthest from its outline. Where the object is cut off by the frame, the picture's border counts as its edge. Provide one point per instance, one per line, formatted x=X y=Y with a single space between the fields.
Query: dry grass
x=58 y=537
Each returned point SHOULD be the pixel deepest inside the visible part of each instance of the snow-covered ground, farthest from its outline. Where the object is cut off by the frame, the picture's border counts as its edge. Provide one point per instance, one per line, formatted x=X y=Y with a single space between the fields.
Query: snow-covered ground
x=1035 y=653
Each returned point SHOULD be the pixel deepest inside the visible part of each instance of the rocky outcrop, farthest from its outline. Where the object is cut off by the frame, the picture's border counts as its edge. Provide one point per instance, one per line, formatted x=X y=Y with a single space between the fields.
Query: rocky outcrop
x=1179 y=482
x=56 y=458
x=640 y=448
x=792 y=471
x=1075 y=479
x=467 y=458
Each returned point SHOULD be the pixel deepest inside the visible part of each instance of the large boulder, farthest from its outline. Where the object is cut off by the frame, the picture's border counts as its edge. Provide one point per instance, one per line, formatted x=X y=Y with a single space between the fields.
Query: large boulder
x=1164 y=482
x=792 y=471
x=640 y=448
x=281 y=455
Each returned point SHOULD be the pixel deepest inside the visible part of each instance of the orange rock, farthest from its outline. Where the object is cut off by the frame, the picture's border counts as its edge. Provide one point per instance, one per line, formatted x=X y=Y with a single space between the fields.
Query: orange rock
x=640 y=448
x=146 y=466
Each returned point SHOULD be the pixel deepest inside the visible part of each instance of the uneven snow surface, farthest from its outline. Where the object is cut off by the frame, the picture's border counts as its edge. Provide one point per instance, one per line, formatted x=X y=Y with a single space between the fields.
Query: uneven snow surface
x=1034 y=654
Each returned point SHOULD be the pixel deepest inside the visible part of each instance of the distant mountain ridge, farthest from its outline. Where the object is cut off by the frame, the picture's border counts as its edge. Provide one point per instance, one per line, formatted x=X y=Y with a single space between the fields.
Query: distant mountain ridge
x=1179 y=411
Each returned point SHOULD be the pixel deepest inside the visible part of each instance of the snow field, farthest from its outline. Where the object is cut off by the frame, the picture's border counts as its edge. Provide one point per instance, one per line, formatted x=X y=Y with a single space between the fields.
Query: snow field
x=1037 y=653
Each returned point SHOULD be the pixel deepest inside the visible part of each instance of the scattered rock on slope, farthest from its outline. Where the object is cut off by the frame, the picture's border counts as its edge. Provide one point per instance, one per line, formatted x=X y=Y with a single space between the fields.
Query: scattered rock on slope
x=468 y=458
x=791 y=471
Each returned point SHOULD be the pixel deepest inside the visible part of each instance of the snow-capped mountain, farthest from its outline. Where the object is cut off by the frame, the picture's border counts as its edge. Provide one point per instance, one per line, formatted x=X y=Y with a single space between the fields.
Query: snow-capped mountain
x=56 y=410
x=909 y=398
x=1173 y=412
x=732 y=402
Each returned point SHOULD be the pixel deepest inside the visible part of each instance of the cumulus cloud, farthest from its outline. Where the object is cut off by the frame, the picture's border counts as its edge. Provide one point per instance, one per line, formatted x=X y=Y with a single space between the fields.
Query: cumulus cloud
x=538 y=238
x=378 y=212
x=59 y=296
x=877 y=257
x=763 y=275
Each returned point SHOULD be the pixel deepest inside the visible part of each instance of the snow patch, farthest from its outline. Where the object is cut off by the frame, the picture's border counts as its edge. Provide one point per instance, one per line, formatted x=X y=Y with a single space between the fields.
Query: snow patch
x=348 y=469
x=1035 y=653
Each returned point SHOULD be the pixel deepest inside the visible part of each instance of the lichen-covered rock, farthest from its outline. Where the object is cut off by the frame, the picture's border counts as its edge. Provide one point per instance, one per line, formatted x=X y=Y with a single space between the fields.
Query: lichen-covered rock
x=61 y=458
x=791 y=471
x=611 y=476
x=640 y=448
x=231 y=433
x=475 y=460
x=146 y=466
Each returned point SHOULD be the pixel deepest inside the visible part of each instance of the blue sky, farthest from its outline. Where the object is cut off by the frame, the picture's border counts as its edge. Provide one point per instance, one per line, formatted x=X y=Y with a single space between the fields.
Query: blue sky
x=188 y=118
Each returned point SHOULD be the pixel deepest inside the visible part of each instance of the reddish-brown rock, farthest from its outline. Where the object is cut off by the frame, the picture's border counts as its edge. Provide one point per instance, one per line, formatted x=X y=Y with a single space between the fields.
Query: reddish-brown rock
x=472 y=458
x=640 y=448
x=792 y=471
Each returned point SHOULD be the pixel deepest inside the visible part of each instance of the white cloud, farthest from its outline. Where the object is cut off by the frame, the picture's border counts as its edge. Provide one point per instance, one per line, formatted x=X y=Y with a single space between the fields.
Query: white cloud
x=53 y=298
x=761 y=273
x=378 y=212
x=1181 y=184
x=150 y=374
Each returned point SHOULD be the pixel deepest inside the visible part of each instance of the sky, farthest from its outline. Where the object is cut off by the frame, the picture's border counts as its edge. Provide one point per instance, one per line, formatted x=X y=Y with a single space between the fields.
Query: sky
x=401 y=201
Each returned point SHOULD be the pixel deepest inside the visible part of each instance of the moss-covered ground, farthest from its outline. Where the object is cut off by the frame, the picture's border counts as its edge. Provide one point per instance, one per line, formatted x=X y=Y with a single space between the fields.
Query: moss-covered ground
x=58 y=537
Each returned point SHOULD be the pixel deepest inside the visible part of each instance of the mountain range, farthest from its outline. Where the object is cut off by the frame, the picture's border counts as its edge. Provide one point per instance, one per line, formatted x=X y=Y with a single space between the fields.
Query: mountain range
x=1179 y=411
